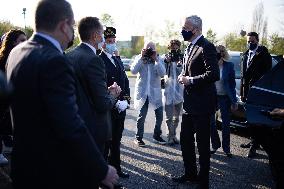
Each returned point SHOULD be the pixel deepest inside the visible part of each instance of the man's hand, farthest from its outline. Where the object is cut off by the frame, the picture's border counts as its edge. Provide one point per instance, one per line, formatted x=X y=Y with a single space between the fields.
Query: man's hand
x=114 y=90
x=277 y=112
x=111 y=177
x=184 y=79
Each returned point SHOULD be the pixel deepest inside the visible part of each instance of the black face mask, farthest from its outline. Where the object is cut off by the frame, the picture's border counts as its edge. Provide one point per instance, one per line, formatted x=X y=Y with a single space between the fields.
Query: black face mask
x=218 y=56
x=252 y=46
x=187 y=35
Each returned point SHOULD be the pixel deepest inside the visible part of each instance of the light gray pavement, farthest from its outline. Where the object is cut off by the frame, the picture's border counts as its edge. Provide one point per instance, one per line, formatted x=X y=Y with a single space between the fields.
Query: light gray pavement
x=153 y=165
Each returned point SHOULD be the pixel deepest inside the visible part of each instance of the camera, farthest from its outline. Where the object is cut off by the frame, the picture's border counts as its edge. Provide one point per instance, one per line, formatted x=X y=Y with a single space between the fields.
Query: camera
x=148 y=56
x=148 y=52
x=175 y=55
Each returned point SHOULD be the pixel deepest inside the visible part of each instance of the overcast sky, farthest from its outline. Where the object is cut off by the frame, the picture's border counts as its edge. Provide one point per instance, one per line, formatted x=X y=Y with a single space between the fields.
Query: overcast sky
x=133 y=17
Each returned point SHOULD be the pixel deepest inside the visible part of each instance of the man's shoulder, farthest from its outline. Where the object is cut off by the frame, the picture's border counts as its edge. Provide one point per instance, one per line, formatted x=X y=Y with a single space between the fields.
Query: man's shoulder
x=262 y=49
x=205 y=43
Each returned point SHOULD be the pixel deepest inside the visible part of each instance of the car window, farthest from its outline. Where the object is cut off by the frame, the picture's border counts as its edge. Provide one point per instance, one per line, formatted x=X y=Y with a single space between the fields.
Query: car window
x=236 y=60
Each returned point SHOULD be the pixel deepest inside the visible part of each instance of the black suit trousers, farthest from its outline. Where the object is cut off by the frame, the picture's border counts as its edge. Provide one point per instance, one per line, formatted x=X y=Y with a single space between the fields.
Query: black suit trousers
x=112 y=148
x=199 y=124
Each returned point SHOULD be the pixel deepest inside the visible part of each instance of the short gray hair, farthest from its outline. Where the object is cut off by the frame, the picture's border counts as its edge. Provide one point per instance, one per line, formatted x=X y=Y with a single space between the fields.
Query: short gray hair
x=196 y=21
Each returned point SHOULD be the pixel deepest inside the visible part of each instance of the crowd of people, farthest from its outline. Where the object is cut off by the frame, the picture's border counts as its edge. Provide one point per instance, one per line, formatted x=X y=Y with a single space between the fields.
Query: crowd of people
x=69 y=108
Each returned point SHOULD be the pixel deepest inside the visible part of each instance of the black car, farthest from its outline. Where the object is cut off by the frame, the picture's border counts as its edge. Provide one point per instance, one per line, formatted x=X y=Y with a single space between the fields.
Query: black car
x=266 y=95
x=238 y=118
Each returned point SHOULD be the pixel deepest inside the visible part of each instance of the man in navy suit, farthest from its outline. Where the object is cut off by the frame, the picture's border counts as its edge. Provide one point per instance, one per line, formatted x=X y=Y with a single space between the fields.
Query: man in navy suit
x=200 y=71
x=90 y=70
x=53 y=148
x=115 y=73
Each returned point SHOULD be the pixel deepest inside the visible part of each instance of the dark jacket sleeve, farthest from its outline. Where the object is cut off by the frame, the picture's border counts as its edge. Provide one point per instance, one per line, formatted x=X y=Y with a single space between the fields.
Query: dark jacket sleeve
x=94 y=70
x=211 y=73
x=58 y=91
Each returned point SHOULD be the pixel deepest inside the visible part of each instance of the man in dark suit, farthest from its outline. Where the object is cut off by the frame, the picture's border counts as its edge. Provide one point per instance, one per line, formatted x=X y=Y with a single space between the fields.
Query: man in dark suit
x=53 y=148
x=90 y=70
x=115 y=73
x=200 y=71
x=256 y=62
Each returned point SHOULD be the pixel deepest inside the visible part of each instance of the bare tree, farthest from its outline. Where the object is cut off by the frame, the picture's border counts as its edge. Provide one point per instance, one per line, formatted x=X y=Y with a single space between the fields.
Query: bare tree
x=259 y=22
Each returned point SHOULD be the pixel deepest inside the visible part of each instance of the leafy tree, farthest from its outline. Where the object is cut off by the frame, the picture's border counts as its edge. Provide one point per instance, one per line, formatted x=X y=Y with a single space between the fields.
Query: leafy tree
x=211 y=36
x=127 y=52
x=106 y=20
x=234 y=42
x=277 y=44
x=5 y=26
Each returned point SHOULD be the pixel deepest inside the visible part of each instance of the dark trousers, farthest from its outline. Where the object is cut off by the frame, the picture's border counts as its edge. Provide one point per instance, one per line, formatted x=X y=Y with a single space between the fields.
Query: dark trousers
x=224 y=104
x=112 y=148
x=199 y=124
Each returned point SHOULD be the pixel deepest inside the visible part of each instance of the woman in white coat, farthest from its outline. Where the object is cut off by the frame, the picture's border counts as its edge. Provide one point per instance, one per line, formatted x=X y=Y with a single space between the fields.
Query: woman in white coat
x=149 y=69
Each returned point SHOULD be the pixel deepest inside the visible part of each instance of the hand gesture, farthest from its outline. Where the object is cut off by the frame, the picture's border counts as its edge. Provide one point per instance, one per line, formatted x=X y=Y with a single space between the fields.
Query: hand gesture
x=111 y=177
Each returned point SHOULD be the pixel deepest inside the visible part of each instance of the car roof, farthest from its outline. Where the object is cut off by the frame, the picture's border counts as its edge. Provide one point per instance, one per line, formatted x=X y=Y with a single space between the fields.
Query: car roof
x=234 y=53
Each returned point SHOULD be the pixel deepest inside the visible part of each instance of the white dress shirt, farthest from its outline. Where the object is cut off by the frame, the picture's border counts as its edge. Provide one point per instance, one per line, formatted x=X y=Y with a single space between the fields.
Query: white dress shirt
x=51 y=39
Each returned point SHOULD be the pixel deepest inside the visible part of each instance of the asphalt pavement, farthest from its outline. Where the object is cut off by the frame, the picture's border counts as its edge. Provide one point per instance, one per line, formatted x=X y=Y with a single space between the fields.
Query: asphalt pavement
x=153 y=165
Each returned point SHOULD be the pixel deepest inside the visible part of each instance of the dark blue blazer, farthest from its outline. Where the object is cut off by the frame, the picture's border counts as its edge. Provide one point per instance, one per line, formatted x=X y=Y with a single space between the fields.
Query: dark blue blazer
x=116 y=74
x=201 y=64
x=91 y=72
x=53 y=148
x=228 y=75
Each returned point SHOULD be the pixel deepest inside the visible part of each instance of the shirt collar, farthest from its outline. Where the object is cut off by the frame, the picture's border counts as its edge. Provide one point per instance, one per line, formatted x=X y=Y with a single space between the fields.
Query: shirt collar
x=108 y=55
x=253 y=51
x=196 y=39
x=93 y=48
x=51 y=39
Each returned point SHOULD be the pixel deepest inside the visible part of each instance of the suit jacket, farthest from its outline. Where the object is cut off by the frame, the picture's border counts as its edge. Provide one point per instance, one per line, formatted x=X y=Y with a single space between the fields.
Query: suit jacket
x=260 y=64
x=228 y=76
x=201 y=64
x=53 y=148
x=90 y=70
x=116 y=74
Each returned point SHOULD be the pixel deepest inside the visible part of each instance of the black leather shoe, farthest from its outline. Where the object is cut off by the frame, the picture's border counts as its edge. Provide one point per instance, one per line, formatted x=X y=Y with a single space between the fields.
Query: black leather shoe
x=245 y=145
x=123 y=175
x=251 y=153
x=185 y=178
x=229 y=155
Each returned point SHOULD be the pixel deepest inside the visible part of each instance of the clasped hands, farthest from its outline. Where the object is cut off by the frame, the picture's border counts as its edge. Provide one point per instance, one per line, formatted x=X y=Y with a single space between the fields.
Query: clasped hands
x=114 y=90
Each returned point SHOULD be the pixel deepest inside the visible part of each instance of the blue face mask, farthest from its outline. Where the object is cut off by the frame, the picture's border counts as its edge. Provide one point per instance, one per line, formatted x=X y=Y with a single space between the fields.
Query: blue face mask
x=252 y=46
x=187 y=35
x=110 y=48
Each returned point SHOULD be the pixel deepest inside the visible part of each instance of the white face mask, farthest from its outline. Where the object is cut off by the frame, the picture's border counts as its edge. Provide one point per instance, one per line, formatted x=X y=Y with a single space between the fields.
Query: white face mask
x=100 y=45
x=110 y=48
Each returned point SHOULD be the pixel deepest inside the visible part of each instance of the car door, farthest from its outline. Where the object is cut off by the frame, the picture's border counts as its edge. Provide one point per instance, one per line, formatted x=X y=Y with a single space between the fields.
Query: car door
x=264 y=96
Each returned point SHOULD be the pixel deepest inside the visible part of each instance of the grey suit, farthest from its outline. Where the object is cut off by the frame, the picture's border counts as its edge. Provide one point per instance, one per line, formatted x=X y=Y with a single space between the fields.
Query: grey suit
x=90 y=70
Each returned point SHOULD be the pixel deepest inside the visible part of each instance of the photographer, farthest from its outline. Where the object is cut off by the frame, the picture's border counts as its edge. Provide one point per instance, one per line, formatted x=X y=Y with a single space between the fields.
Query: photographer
x=173 y=90
x=149 y=69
